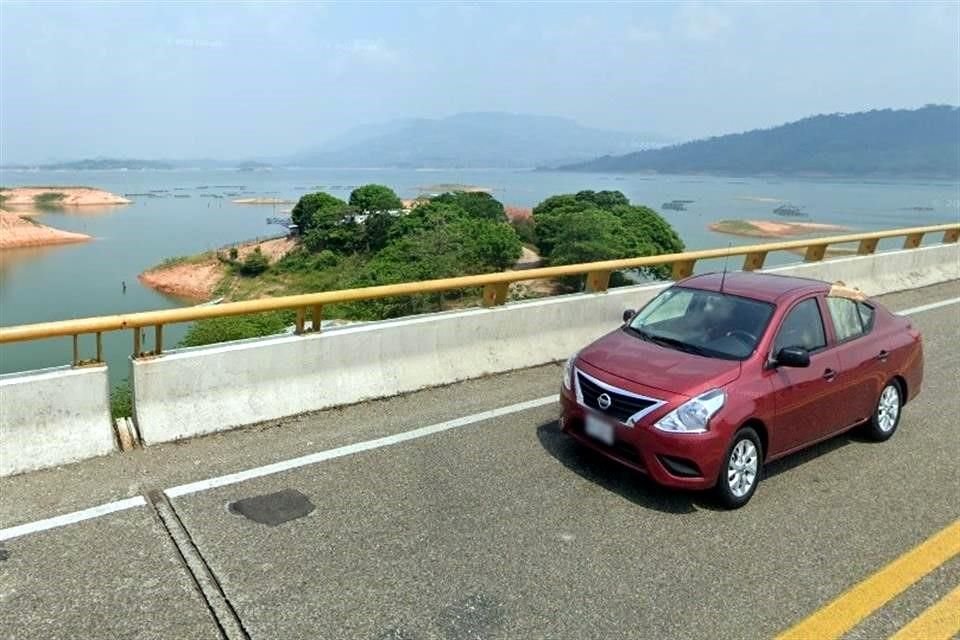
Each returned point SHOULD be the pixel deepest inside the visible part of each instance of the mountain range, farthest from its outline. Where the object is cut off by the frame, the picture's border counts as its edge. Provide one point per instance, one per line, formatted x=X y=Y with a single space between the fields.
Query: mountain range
x=921 y=142
x=471 y=140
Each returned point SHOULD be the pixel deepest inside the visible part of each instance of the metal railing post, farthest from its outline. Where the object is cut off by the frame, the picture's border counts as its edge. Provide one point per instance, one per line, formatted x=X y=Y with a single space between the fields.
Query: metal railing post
x=495 y=294
x=754 y=260
x=682 y=269
x=598 y=281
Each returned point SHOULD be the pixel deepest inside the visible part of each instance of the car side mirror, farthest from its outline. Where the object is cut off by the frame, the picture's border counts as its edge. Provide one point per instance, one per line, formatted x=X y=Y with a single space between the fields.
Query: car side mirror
x=793 y=357
x=628 y=315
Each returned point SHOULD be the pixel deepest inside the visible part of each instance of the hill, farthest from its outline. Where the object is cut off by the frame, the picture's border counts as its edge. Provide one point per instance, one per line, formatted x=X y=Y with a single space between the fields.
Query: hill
x=96 y=164
x=920 y=142
x=471 y=140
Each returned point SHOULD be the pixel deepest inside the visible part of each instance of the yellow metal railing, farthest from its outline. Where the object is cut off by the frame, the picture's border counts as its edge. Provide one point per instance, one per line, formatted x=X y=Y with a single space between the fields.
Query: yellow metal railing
x=495 y=287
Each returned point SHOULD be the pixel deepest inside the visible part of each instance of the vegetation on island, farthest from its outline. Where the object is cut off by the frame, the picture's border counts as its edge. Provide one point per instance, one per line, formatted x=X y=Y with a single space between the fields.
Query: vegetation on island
x=48 y=200
x=372 y=240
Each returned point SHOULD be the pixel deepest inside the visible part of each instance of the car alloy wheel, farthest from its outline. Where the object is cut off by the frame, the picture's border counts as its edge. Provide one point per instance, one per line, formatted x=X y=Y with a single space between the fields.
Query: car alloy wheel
x=888 y=408
x=887 y=414
x=742 y=467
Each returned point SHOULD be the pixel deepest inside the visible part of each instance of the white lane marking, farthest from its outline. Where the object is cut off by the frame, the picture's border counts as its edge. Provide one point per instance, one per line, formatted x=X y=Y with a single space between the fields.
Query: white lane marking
x=71 y=518
x=350 y=449
x=928 y=307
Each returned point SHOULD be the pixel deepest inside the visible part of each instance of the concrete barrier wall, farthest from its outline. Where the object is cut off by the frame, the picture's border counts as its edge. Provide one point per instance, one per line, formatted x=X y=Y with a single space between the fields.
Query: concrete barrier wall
x=52 y=417
x=886 y=272
x=197 y=391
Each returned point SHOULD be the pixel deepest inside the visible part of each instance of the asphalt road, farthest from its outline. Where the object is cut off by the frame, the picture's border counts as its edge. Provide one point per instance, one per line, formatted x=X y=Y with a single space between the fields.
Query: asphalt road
x=494 y=527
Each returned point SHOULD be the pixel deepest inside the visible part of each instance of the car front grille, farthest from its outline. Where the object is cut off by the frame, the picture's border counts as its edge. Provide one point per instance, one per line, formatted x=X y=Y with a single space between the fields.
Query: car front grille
x=623 y=404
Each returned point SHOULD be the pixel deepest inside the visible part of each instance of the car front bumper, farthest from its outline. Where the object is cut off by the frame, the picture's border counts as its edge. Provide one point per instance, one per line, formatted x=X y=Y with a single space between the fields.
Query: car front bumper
x=688 y=461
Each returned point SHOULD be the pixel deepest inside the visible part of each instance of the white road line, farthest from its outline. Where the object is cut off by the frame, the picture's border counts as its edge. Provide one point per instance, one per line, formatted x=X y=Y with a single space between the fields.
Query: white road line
x=928 y=307
x=350 y=449
x=71 y=518
x=313 y=458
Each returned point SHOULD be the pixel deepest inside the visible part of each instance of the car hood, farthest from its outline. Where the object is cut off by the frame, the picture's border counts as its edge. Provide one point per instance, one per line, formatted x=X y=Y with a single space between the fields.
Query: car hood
x=650 y=364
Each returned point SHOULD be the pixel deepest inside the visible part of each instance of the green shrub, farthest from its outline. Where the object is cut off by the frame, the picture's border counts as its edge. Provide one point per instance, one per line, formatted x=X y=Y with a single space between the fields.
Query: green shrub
x=214 y=330
x=49 y=199
x=234 y=252
x=121 y=400
x=254 y=264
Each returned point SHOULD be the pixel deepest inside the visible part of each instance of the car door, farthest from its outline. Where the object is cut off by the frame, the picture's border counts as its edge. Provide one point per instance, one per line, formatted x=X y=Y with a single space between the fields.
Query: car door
x=860 y=358
x=806 y=399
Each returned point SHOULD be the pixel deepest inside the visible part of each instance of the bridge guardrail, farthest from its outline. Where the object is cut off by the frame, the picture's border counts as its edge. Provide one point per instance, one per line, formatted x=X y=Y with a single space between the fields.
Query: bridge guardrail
x=495 y=287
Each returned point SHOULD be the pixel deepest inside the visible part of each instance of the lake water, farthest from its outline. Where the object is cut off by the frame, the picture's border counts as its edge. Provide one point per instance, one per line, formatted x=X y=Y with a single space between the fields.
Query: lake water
x=73 y=281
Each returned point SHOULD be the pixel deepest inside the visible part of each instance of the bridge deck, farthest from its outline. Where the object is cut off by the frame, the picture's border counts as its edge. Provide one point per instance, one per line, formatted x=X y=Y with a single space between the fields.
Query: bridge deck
x=496 y=528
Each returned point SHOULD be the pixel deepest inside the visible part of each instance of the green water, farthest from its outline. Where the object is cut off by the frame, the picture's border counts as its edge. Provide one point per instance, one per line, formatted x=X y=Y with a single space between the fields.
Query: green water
x=74 y=281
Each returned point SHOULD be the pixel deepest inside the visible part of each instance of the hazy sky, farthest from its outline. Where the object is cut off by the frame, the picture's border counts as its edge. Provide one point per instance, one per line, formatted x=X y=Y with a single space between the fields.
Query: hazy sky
x=242 y=80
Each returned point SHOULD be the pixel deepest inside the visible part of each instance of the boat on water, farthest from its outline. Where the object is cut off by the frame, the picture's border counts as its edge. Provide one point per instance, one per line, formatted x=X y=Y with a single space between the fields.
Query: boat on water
x=676 y=205
x=209 y=303
x=789 y=210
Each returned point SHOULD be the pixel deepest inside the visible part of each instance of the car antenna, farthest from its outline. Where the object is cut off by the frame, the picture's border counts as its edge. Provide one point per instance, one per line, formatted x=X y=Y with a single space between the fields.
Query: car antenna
x=723 y=276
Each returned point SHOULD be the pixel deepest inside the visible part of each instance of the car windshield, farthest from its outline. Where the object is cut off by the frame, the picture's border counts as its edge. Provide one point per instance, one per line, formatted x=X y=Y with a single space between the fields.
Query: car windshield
x=705 y=323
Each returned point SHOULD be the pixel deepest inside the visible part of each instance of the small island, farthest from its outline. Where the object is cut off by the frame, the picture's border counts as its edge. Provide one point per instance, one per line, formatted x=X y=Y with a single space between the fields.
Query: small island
x=17 y=232
x=771 y=228
x=57 y=196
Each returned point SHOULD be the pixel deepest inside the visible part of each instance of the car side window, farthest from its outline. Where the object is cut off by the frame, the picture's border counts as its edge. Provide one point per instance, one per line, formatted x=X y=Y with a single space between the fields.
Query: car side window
x=866 y=316
x=803 y=327
x=847 y=322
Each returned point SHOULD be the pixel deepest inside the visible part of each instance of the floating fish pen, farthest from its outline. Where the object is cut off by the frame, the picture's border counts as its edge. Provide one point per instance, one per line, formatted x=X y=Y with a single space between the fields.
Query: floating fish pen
x=675 y=205
x=789 y=210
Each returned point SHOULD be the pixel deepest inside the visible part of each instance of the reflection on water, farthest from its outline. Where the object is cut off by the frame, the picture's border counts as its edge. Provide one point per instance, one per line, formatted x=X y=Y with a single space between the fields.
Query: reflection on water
x=69 y=210
x=10 y=259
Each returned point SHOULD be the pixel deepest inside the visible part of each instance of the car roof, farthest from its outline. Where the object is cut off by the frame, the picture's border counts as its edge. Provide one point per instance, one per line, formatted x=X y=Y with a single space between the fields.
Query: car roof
x=768 y=287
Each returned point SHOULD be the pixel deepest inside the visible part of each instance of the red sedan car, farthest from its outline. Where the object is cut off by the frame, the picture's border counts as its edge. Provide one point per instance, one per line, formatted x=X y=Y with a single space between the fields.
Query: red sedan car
x=722 y=373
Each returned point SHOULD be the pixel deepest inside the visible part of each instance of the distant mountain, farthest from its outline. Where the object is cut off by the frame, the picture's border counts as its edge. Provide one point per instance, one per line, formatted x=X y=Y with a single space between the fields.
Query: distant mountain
x=97 y=164
x=921 y=142
x=471 y=140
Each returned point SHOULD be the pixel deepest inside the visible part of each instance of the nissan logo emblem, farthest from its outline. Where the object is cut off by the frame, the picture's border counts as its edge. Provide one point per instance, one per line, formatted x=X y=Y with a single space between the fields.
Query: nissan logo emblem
x=604 y=401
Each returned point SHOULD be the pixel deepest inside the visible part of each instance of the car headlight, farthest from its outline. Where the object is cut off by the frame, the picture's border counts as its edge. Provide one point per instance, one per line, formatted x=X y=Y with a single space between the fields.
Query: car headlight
x=568 y=372
x=694 y=415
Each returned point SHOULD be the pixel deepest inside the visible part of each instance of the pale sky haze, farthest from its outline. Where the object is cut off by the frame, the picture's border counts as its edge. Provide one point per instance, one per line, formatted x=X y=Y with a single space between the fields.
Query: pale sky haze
x=245 y=80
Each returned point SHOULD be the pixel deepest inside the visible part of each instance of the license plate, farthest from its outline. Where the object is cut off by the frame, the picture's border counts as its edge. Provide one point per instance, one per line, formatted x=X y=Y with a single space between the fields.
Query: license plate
x=599 y=429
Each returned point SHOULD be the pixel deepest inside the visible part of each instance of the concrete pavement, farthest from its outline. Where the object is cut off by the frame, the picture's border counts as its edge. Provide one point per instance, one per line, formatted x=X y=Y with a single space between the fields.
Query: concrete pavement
x=500 y=528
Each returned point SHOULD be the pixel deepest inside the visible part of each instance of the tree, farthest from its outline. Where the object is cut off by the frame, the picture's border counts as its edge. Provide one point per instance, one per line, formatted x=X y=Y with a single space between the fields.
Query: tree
x=305 y=211
x=589 y=236
x=563 y=225
x=375 y=197
x=376 y=230
x=476 y=204
x=486 y=245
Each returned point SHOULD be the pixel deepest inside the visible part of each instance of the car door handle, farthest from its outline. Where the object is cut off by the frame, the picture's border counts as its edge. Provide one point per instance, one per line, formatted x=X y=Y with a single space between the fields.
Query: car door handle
x=829 y=375
x=882 y=356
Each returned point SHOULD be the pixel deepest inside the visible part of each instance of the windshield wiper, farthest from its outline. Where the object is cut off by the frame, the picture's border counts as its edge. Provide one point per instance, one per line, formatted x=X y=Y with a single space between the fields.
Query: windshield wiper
x=676 y=344
x=640 y=333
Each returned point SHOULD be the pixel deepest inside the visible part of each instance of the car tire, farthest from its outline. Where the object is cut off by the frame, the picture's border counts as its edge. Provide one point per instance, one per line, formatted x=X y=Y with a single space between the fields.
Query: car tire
x=886 y=414
x=741 y=469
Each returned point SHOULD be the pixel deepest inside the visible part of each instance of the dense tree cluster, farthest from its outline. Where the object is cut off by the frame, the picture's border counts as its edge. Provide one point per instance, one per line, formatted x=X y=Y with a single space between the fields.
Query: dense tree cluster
x=600 y=225
x=371 y=240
